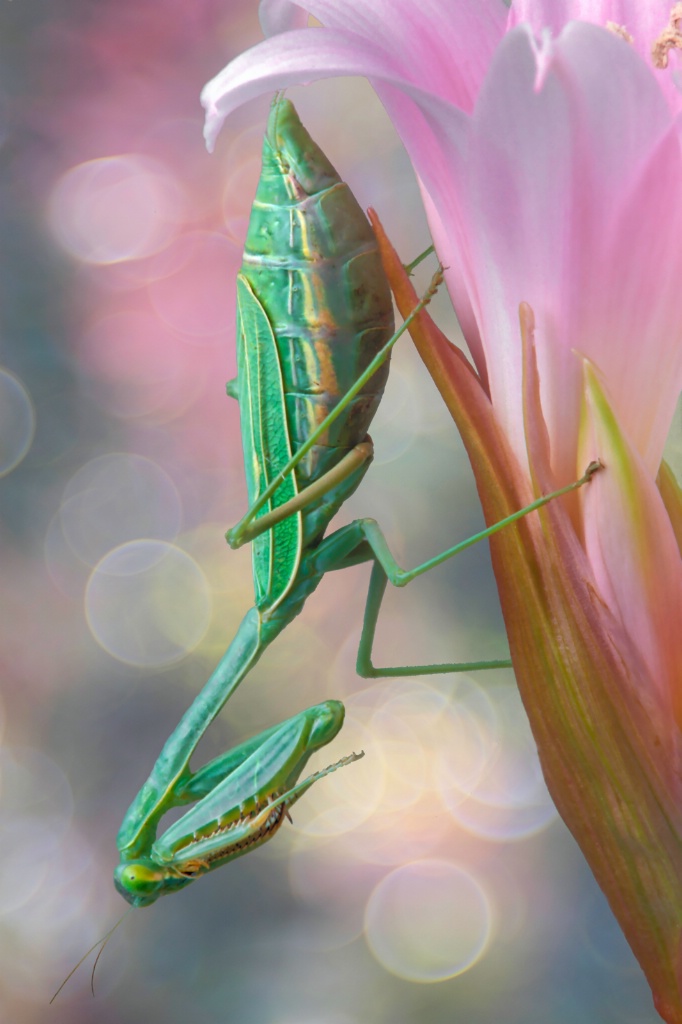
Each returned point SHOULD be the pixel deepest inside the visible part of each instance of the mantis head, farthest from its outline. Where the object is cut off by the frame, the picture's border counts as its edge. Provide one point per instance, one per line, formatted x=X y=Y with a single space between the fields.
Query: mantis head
x=141 y=882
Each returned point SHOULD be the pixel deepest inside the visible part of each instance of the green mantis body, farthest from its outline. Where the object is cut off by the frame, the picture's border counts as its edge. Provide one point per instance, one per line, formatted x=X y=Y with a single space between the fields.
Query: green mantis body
x=314 y=335
x=314 y=307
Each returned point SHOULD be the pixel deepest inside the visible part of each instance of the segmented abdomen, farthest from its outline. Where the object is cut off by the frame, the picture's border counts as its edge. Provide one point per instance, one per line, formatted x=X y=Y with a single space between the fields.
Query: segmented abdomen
x=312 y=260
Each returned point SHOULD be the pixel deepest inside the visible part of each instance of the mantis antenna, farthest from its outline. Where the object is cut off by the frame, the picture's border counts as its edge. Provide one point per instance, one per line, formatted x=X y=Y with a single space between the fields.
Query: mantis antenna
x=103 y=941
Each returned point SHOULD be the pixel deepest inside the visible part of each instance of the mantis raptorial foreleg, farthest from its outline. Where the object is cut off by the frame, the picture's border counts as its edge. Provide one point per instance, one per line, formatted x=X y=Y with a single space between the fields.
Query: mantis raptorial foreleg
x=239 y=799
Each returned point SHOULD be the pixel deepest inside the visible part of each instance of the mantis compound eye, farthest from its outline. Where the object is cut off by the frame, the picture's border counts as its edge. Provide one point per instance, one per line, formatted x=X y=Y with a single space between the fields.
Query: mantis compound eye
x=139 y=882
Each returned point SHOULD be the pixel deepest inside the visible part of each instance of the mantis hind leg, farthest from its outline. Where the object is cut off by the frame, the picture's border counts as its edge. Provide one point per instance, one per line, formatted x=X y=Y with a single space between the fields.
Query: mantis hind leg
x=357 y=544
x=364 y=540
x=366 y=668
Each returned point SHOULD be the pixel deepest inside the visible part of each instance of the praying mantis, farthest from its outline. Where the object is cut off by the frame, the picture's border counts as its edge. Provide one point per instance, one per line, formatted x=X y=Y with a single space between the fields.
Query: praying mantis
x=315 y=331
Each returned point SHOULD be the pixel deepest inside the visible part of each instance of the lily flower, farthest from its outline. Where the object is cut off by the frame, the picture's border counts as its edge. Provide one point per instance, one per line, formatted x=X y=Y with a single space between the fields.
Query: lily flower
x=548 y=153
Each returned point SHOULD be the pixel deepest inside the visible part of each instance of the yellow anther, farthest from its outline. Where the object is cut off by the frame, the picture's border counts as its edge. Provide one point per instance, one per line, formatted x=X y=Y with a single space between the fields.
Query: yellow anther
x=619 y=30
x=669 y=39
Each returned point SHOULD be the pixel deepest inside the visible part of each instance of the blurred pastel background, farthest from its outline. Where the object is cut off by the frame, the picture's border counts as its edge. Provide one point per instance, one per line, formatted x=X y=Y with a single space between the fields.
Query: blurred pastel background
x=430 y=882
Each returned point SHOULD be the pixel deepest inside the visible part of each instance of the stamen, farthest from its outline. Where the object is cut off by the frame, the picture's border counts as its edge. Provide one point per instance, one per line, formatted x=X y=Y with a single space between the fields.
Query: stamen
x=669 y=39
x=619 y=30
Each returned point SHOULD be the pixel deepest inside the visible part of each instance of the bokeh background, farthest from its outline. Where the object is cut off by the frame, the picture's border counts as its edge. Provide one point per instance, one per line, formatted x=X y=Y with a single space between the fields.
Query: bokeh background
x=430 y=882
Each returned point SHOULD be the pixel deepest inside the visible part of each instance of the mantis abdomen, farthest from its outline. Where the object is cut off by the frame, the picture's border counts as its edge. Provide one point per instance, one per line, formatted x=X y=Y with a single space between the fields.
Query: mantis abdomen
x=312 y=274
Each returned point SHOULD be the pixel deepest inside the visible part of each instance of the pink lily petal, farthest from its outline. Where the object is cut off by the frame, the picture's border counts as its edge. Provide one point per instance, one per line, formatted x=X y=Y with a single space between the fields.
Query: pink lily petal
x=444 y=45
x=572 y=203
x=454 y=256
x=643 y=20
x=293 y=58
x=633 y=552
x=432 y=50
x=671 y=493
x=281 y=16
x=303 y=55
x=526 y=161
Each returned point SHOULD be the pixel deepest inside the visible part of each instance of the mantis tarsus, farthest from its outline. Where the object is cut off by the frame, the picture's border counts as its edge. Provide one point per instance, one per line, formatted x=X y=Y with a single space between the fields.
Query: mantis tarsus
x=315 y=330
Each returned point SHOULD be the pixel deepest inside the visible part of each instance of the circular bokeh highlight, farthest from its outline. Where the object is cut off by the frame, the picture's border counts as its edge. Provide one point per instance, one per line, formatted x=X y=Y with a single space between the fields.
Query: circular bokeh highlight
x=148 y=603
x=17 y=422
x=428 y=921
